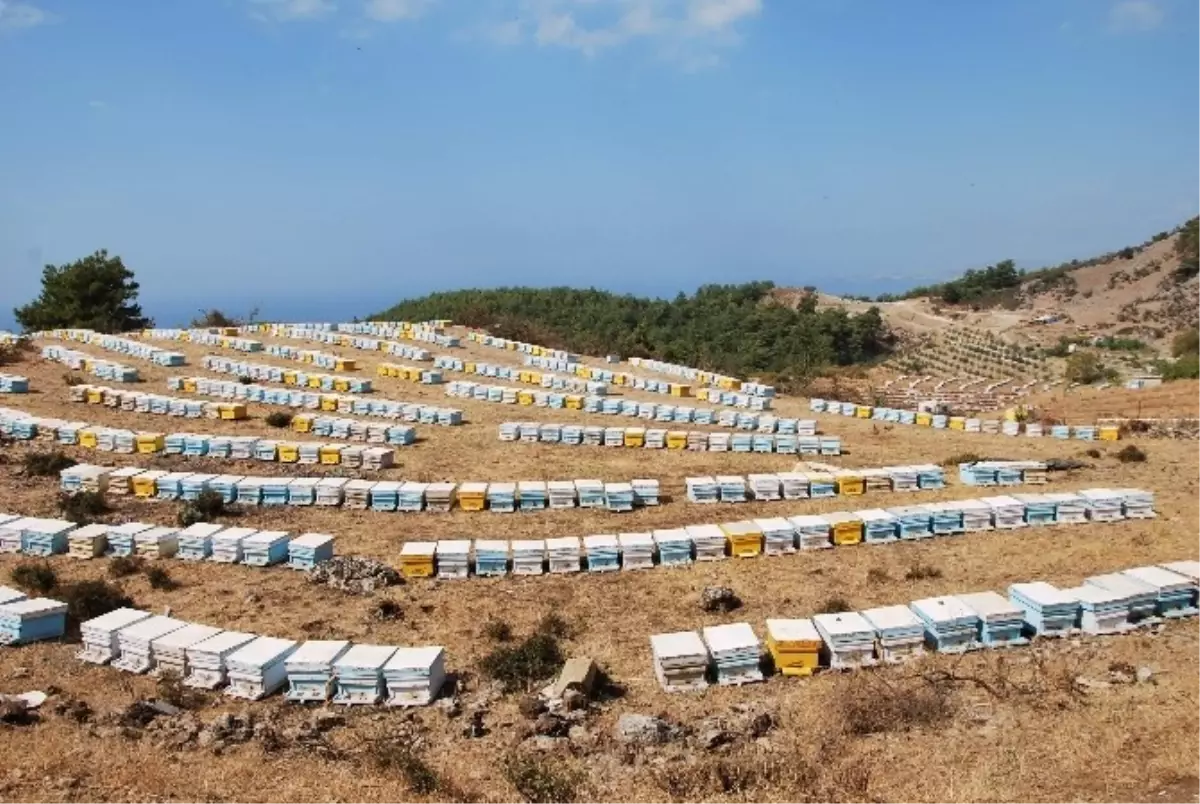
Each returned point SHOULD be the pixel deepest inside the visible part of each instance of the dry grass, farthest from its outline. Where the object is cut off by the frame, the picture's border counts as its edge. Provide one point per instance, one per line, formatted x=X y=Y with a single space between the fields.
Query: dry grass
x=1018 y=744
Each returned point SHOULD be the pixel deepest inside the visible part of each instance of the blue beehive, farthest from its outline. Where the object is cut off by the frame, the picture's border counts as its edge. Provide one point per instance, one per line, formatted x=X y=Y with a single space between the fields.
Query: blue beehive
x=32 y=620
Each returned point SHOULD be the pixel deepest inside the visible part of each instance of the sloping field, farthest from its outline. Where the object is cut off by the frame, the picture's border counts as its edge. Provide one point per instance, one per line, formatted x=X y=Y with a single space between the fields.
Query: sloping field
x=987 y=726
x=1177 y=399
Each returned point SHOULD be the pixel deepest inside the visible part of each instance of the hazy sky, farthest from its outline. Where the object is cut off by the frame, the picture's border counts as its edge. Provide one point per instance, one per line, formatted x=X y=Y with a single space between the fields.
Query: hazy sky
x=323 y=158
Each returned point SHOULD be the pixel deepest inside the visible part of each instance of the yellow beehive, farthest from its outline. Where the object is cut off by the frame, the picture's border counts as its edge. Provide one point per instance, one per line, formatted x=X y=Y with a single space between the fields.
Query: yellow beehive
x=635 y=437
x=328 y=402
x=289 y=377
x=231 y=331
x=95 y=396
x=846 y=528
x=795 y=646
x=535 y=377
x=189 y=385
x=471 y=501
x=87 y=438
x=745 y=538
x=331 y=454
x=573 y=402
x=314 y=381
x=582 y=371
x=621 y=379
x=862 y=412
x=849 y=483
x=340 y=384
x=382 y=369
x=288 y=451
x=676 y=439
x=1109 y=432
x=680 y=390
x=231 y=410
x=510 y=346
x=145 y=486
x=958 y=423
x=703 y=393
x=302 y=423
x=469 y=368
x=924 y=419
x=524 y=397
x=149 y=443
x=522 y=376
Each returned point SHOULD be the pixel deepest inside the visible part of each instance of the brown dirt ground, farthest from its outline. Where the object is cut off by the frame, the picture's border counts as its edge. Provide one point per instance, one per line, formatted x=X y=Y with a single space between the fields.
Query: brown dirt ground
x=1141 y=740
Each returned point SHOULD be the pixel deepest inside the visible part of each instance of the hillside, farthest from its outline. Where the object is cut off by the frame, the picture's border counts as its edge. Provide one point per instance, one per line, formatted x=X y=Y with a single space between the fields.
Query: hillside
x=723 y=328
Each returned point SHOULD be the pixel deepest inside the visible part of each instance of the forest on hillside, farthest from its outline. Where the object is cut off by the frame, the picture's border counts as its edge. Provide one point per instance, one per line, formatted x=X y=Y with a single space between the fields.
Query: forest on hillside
x=732 y=329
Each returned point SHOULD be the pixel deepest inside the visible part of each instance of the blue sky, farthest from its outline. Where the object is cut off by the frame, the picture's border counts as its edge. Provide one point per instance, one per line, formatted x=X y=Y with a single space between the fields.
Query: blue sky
x=322 y=158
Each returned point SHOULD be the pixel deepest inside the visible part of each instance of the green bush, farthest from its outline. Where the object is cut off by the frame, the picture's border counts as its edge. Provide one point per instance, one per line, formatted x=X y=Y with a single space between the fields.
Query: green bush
x=82 y=507
x=497 y=630
x=535 y=658
x=207 y=507
x=88 y=599
x=1131 y=454
x=834 y=605
x=160 y=579
x=97 y=292
x=279 y=418
x=124 y=566
x=398 y=755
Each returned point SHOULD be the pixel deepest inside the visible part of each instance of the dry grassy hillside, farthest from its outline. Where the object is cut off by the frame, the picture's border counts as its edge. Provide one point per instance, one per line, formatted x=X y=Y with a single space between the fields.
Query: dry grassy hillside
x=1002 y=725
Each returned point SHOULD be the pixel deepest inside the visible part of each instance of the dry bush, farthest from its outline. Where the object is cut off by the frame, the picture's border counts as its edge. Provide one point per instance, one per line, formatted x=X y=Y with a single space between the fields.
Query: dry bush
x=399 y=755
x=535 y=658
x=962 y=457
x=160 y=579
x=36 y=577
x=834 y=605
x=279 y=418
x=497 y=630
x=540 y=780
x=878 y=706
x=205 y=508
x=878 y=575
x=920 y=572
x=83 y=507
x=88 y=599
x=124 y=566
x=47 y=464
x=1131 y=454
x=829 y=774
x=170 y=688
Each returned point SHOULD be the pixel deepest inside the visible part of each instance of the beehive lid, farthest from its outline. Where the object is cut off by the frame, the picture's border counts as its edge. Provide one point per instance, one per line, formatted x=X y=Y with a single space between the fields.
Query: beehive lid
x=1122 y=583
x=152 y=628
x=371 y=657
x=710 y=532
x=233 y=534
x=799 y=630
x=266 y=538
x=1041 y=593
x=491 y=545
x=891 y=617
x=453 y=546
x=875 y=515
x=155 y=534
x=528 y=545
x=602 y=540
x=187 y=636
x=224 y=641
x=304 y=482
x=311 y=540
x=988 y=604
x=667 y=535
x=772 y=524
x=733 y=636
x=89 y=531
x=318 y=651
x=678 y=644
x=332 y=482
x=841 y=517
x=419 y=549
x=472 y=488
x=35 y=606
x=420 y=658
x=117 y=619
x=843 y=623
x=942 y=609
x=261 y=651
x=129 y=528
x=1157 y=577
x=201 y=530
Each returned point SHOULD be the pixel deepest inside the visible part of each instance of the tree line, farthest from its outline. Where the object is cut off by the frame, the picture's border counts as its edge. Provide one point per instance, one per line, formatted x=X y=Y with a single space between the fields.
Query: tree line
x=732 y=329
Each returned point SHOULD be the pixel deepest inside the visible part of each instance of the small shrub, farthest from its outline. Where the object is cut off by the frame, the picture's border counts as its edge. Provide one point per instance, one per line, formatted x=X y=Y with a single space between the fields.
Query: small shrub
x=962 y=457
x=397 y=755
x=245 y=379
x=535 y=658
x=878 y=575
x=539 y=780
x=160 y=579
x=37 y=577
x=497 y=630
x=88 y=599
x=170 y=689
x=205 y=508
x=554 y=625
x=1092 y=453
x=47 y=464
x=920 y=572
x=15 y=713
x=835 y=605
x=71 y=378
x=124 y=566
x=279 y=418
x=888 y=708
x=387 y=609
x=82 y=507
x=1131 y=454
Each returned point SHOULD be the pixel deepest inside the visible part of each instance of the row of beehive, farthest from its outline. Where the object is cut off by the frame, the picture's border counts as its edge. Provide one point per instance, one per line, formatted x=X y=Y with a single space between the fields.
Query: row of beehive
x=309 y=400
x=255 y=667
x=1106 y=432
x=651 y=438
x=427 y=332
x=262 y=371
x=115 y=343
x=225 y=338
x=1105 y=604
x=13 y=384
x=320 y=359
x=104 y=369
x=814 y=483
x=200 y=542
x=719 y=396
x=774 y=536
x=546 y=380
x=139 y=402
x=411 y=373
x=306 y=332
x=24 y=427
x=388 y=495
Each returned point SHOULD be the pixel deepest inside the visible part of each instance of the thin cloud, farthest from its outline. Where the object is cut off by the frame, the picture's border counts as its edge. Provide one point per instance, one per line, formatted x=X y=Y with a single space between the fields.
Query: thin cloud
x=1133 y=16
x=97 y=104
x=291 y=10
x=395 y=10
x=22 y=16
x=689 y=33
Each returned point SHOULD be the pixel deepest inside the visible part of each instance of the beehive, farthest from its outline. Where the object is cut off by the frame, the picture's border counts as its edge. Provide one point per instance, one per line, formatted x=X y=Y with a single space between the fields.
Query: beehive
x=416 y=559
x=845 y=527
x=795 y=646
x=745 y=538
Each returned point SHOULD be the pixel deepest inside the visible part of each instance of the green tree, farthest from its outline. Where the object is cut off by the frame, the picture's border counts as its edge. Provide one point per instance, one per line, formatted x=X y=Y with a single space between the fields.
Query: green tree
x=1187 y=248
x=1186 y=343
x=1084 y=367
x=97 y=292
